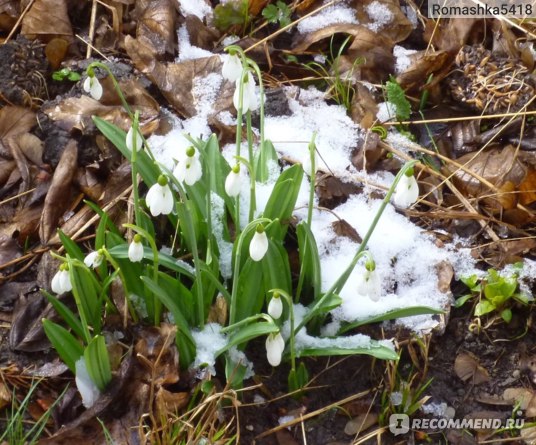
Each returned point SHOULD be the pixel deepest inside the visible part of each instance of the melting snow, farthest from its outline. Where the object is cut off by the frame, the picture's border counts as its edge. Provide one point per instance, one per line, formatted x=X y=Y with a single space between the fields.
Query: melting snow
x=380 y=14
x=339 y=13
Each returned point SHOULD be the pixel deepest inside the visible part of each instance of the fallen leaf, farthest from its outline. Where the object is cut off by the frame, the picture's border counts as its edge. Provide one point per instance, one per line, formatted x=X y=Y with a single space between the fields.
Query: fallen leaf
x=445 y=273
x=60 y=189
x=156 y=27
x=47 y=18
x=467 y=368
x=5 y=395
x=360 y=423
x=524 y=397
x=342 y=228
x=398 y=28
x=169 y=403
x=9 y=249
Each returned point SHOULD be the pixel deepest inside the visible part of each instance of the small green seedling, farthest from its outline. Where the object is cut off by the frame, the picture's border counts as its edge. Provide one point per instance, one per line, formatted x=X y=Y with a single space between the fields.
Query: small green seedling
x=495 y=293
x=278 y=13
x=66 y=74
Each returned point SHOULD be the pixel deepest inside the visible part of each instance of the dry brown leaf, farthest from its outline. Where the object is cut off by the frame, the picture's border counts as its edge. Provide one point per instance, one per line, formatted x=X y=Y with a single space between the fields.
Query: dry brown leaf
x=9 y=249
x=175 y=80
x=218 y=311
x=32 y=147
x=398 y=29
x=342 y=228
x=525 y=397
x=169 y=403
x=467 y=368
x=360 y=423
x=47 y=18
x=5 y=395
x=527 y=188
x=364 y=107
x=56 y=201
x=445 y=273
x=528 y=435
x=422 y=65
x=450 y=35
x=156 y=27
x=501 y=168
x=15 y=120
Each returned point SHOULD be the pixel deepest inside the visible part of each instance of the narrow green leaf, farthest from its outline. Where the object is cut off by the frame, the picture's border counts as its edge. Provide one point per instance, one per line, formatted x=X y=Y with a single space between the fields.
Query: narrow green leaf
x=376 y=350
x=248 y=333
x=310 y=259
x=64 y=312
x=71 y=247
x=282 y=201
x=391 y=315
x=64 y=343
x=98 y=362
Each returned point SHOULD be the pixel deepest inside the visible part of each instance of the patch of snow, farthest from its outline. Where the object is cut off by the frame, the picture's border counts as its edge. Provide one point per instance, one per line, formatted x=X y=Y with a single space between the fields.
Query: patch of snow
x=187 y=51
x=225 y=247
x=320 y=58
x=284 y=419
x=207 y=343
x=199 y=8
x=230 y=40
x=380 y=15
x=237 y=356
x=336 y=133
x=338 y=13
x=396 y=398
x=386 y=111
x=435 y=409
x=403 y=61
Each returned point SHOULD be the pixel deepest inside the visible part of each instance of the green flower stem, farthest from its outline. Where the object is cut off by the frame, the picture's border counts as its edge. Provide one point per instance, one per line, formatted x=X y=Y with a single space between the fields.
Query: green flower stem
x=134 y=170
x=252 y=194
x=238 y=142
x=341 y=281
x=157 y=305
x=262 y=160
x=312 y=152
x=246 y=321
x=292 y=343
x=236 y=273
x=83 y=316
x=124 y=102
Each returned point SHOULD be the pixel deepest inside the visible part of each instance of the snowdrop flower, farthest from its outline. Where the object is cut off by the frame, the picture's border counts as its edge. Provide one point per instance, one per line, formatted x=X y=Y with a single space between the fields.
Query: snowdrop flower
x=135 y=250
x=92 y=86
x=87 y=389
x=189 y=170
x=130 y=142
x=249 y=95
x=275 y=345
x=61 y=281
x=275 y=307
x=94 y=259
x=368 y=283
x=233 y=182
x=232 y=67
x=259 y=244
x=159 y=198
x=407 y=190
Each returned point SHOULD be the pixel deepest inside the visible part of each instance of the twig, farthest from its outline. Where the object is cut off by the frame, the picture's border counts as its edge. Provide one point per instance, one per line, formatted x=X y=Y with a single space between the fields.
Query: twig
x=19 y=20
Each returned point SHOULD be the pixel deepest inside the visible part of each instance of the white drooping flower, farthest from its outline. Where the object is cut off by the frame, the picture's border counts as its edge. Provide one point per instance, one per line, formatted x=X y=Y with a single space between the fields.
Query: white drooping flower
x=233 y=183
x=87 y=389
x=275 y=345
x=369 y=284
x=189 y=169
x=61 y=281
x=94 y=259
x=131 y=143
x=249 y=95
x=135 y=249
x=93 y=87
x=159 y=198
x=406 y=191
x=232 y=68
x=259 y=244
x=275 y=307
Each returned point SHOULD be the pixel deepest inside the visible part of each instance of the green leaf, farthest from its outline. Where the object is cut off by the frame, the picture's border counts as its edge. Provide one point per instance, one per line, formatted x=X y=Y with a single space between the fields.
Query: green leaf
x=74 y=77
x=506 y=315
x=470 y=281
x=282 y=201
x=64 y=343
x=71 y=247
x=462 y=300
x=248 y=333
x=298 y=378
x=64 y=312
x=266 y=156
x=484 y=307
x=250 y=290
x=309 y=258
x=276 y=268
x=397 y=96
x=98 y=362
x=164 y=259
x=185 y=341
x=86 y=294
x=233 y=12
x=391 y=315
x=376 y=350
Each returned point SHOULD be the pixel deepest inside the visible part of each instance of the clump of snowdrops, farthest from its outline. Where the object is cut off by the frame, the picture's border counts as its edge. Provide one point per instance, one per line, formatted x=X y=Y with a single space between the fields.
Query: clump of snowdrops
x=238 y=261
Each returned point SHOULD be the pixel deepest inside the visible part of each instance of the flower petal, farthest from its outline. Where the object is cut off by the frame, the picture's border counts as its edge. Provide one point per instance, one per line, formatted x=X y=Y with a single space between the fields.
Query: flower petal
x=88 y=390
x=258 y=246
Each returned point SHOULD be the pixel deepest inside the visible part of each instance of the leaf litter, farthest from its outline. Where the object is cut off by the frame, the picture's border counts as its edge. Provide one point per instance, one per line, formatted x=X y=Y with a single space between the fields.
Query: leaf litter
x=498 y=181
